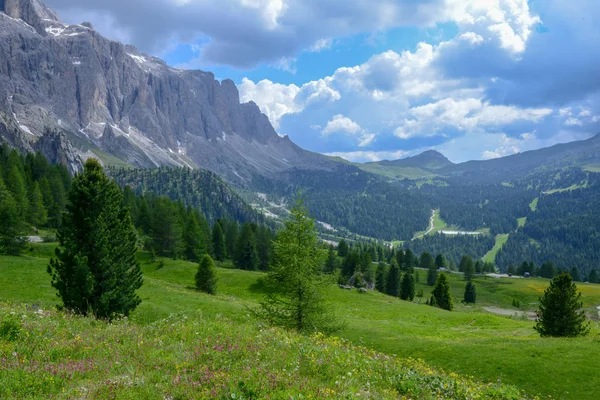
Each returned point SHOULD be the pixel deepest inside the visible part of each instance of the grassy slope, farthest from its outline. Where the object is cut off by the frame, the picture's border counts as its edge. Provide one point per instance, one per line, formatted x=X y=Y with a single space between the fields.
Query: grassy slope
x=533 y=204
x=490 y=256
x=468 y=341
x=396 y=172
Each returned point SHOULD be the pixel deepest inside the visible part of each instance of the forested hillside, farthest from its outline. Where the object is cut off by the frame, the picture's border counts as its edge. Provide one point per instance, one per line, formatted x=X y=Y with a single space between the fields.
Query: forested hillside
x=356 y=200
x=200 y=189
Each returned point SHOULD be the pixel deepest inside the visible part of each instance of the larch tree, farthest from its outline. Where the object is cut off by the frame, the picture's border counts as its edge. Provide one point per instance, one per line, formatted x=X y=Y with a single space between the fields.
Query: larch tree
x=95 y=270
x=294 y=286
x=560 y=313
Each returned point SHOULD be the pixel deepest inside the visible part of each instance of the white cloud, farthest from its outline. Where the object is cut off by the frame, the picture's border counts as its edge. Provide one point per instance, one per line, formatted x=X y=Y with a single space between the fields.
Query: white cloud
x=320 y=45
x=370 y=156
x=472 y=38
x=573 y=122
x=339 y=123
x=342 y=124
x=584 y=112
x=565 y=112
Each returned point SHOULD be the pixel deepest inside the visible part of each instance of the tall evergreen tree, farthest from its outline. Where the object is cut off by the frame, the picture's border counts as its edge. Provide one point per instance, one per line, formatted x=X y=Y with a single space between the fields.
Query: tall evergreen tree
x=218 y=239
x=193 y=243
x=466 y=267
x=15 y=183
x=381 y=277
x=206 y=276
x=426 y=261
x=593 y=277
x=432 y=274
x=470 y=293
x=440 y=262
x=407 y=287
x=246 y=254
x=351 y=263
x=12 y=240
x=575 y=274
x=37 y=214
x=294 y=286
x=95 y=269
x=331 y=264
x=393 y=279
x=409 y=261
x=343 y=248
x=231 y=236
x=166 y=228
x=263 y=246
x=559 y=313
x=441 y=293
x=548 y=270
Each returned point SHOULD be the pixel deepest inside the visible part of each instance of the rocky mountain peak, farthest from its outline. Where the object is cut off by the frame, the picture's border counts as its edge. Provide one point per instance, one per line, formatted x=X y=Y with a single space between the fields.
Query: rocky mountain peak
x=33 y=12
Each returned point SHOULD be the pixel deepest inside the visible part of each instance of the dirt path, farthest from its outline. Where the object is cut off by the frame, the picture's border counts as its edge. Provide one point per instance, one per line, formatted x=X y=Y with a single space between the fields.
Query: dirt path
x=430 y=226
x=509 y=313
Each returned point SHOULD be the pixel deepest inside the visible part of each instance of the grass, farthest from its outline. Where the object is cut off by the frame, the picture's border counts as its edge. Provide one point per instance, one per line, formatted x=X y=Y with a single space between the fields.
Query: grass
x=438 y=225
x=500 y=241
x=574 y=186
x=521 y=222
x=533 y=204
x=468 y=341
x=396 y=172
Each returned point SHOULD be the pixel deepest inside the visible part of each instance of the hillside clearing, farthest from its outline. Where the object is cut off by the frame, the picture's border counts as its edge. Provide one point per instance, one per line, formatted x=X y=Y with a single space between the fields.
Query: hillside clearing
x=501 y=239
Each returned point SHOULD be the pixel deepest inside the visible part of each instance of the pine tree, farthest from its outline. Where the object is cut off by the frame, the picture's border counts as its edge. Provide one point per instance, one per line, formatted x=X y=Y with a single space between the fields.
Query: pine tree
x=409 y=261
x=231 y=236
x=575 y=274
x=440 y=262
x=593 y=277
x=95 y=269
x=466 y=267
x=381 y=277
x=441 y=293
x=351 y=263
x=407 y=287
x=206 y=276
x=432 y=275
x=37 y=214
x=343 y=248
x=548 y=270
x=294 y=286
x=393 y=279
x=263 y=246
x=331 y=264
x=426 y=261
x=560 y=313
x=12 y=241
x=193 y=242
x=15 y=183
x=470 y=293
x=218 y=238
x=246 y=254
x=166 y=228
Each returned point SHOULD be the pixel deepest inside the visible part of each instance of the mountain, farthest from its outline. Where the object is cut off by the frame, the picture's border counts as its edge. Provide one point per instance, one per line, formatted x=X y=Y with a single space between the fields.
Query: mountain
x=71 y=93
x=583 y=153
x=428 y=160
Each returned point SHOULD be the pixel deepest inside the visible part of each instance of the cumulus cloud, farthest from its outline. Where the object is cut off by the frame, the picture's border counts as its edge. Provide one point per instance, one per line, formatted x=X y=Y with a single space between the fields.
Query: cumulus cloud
x=342 y=124
x=370 y=156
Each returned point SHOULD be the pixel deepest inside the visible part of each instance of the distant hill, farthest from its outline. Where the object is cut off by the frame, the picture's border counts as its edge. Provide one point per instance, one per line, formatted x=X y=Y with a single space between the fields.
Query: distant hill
x=428 y=160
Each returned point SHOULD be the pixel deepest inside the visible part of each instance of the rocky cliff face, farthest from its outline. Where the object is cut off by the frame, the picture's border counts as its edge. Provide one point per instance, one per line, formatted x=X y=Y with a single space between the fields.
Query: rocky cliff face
x=103 y=97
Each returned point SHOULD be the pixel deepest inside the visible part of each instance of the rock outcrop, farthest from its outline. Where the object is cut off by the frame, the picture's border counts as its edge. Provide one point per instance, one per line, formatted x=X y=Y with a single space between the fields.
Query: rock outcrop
x=106 y=97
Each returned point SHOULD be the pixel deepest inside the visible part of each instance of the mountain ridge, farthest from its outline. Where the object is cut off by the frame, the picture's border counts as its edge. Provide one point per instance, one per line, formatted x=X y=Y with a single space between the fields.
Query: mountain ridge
x=102 y=96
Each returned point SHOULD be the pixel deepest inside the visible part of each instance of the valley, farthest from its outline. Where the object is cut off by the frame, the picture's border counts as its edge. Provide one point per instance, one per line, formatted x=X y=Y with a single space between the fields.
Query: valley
x=469 y=341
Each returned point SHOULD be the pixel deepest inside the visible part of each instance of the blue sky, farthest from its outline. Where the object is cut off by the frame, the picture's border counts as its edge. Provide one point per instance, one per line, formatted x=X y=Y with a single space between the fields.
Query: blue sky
x=385 y=79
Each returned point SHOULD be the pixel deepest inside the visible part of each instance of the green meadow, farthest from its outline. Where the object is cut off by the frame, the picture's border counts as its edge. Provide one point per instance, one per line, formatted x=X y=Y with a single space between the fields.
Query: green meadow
x=481 y=347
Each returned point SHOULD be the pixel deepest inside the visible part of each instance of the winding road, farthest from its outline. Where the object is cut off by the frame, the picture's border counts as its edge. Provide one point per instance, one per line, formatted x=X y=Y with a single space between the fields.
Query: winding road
x=430 y=226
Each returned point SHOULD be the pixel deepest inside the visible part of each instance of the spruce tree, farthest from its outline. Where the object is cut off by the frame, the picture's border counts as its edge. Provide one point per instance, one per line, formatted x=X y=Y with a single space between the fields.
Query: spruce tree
x=440 y=262
x=559 y=313
x=263 y=246
x=218 y=239
x=470 y=293
x=575 y=274
x=166 y=228
x=407 y=287
x=12 y=240
x=231 y=236
x=593 y=277
x=37 y=214
x=393 y=279
x=432 y=275
x=294 y=286
x=95 y=270
x=331 y=264
x=467 y=267
x=343 y=248
x=441 y=293
x=193 y=243
x=246 y=254
x=15 y=183
x=206 y=276
x=381 y=277
x=426 y=261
